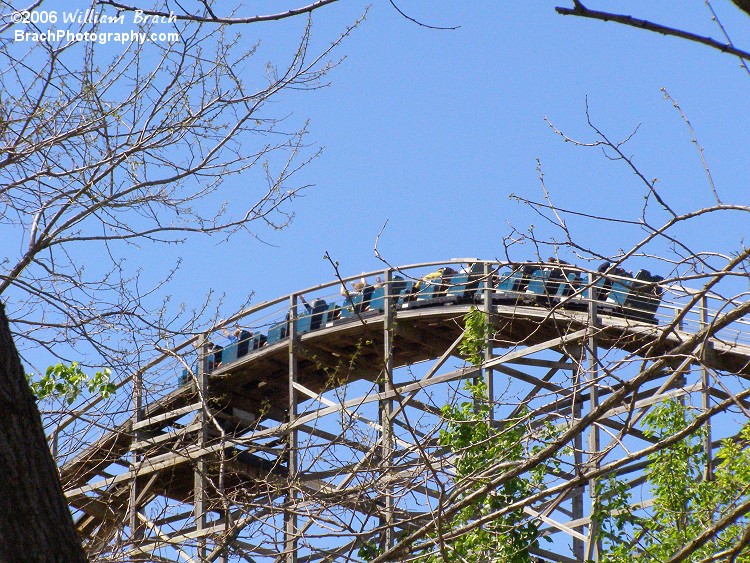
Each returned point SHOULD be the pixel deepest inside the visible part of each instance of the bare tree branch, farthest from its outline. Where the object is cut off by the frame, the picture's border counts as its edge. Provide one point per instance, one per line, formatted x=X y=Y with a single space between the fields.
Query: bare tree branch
x=582 y=11
x=212 y=18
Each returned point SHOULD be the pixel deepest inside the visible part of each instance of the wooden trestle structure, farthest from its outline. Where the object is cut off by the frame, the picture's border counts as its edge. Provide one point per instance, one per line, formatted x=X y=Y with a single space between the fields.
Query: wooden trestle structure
x=308 y=447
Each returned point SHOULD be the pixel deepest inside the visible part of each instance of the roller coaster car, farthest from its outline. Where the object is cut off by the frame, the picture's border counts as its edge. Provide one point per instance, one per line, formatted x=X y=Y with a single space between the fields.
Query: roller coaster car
x=400 y=291
x=619 y=294
x=636 y=297
x=428 y=295
x=357 y=303
x=545 y=285
x=184 y=378
x=230 y=353
x=459 y=287
x=332 y=313
x=258 y=341
x=510 y=287
x=313 y=318
x=377 y=300
x=570 y=283
x=433 y=291
x=278 y=332
x=405 y=295
x=643 y=300
x=462 y=286
x=616 y=292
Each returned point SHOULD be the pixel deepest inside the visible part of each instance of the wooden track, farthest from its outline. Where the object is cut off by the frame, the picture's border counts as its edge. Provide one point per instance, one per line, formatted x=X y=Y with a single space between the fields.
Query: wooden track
x=257 y=383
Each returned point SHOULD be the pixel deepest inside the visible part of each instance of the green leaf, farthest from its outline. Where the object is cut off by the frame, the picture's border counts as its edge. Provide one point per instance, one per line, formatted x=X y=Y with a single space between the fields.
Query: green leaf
x=67 y=383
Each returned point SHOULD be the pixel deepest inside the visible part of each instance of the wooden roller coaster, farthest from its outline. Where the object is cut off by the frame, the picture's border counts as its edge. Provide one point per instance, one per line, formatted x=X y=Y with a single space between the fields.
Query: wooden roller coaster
x=321 y=435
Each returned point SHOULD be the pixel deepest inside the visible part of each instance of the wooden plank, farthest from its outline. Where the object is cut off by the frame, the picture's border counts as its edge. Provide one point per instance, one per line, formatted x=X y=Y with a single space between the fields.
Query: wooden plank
x=545 y=363
x=147 y=467
x=657 y=398
x=177 y=413
x=166 y=437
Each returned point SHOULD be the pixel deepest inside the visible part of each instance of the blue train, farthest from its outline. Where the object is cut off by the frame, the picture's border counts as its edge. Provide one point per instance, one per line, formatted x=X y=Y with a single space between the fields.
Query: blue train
x=550 y=284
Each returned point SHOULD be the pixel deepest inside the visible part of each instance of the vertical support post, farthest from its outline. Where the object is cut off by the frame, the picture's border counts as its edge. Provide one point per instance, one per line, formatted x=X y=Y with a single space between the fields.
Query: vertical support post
x=577 y=500
x=290 y=516
x=706 y=397
x=488 y=373
x=56 y=443
x=224 y=557
x=386 y=408
x=137 y=398
x=199 y=478
x=594 y=541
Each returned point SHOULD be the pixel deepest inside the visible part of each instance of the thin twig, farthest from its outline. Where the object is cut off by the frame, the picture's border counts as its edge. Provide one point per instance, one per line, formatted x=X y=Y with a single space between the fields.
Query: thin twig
x=724 y=32
x=695 y=141
x=419 y=22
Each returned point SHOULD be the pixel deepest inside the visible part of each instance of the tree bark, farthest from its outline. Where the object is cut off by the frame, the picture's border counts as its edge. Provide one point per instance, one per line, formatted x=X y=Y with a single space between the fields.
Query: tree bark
x=743 y=5
x=35 y=522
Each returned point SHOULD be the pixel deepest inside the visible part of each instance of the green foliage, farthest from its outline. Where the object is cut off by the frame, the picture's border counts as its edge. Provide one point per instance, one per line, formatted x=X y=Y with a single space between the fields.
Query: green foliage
x=685 y=504
x=68 y=382
x=476 y=446
x=369 y=551
x=476 y=330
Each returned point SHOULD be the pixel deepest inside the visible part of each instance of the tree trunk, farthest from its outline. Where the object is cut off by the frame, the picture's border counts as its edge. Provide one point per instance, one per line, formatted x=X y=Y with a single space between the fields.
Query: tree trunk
x=35 y=523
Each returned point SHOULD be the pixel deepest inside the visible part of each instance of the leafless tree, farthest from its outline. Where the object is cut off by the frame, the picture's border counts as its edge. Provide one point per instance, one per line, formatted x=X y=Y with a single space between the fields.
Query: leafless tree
x=116 y=137
x=110 y=149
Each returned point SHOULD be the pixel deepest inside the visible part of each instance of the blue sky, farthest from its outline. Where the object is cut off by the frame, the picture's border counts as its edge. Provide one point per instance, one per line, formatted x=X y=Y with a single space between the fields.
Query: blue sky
x=432 y=131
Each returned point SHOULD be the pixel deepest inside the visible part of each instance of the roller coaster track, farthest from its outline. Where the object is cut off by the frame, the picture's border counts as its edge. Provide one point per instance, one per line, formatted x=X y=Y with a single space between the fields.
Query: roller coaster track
x=307 y=447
